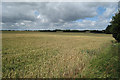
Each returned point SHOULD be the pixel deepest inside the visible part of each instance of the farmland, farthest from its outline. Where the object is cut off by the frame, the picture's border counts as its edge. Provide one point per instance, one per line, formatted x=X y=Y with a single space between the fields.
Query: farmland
x=50 y=54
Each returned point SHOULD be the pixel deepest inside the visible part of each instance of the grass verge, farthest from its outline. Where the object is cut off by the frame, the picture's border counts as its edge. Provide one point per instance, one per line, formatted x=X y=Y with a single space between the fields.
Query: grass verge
x=106 y=64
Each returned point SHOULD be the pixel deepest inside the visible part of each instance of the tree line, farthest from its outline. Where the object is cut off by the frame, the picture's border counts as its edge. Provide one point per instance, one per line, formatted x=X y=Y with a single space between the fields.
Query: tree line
x=59 y=30
x=114 y=27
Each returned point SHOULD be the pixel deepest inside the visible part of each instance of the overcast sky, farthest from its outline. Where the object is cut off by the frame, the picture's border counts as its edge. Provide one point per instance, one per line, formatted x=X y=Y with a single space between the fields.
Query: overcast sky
x=57 y=15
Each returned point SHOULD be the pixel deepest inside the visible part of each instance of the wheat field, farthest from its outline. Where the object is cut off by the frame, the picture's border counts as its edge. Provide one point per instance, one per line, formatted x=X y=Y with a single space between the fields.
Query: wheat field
x=49 y=54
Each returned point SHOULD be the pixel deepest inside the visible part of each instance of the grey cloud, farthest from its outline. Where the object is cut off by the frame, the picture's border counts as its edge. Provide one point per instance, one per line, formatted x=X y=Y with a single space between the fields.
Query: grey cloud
x=67 y=11
x=12 y=12
x=119 y=4
x=50 y=15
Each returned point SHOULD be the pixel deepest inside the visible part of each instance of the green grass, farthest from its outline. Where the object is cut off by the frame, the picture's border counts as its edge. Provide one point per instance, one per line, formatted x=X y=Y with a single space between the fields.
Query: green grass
x=106 y=64
x=54 y=55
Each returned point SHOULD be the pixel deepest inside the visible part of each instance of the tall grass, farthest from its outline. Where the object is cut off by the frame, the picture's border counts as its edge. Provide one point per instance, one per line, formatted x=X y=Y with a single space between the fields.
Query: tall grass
x=106 y=64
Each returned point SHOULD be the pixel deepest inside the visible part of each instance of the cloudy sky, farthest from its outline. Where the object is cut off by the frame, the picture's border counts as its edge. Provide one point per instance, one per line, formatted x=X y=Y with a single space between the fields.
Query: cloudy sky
x=57 y=15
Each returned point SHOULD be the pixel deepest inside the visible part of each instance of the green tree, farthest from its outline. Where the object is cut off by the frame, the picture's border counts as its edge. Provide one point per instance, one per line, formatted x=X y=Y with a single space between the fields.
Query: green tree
x=115 y=26
x=108 y=29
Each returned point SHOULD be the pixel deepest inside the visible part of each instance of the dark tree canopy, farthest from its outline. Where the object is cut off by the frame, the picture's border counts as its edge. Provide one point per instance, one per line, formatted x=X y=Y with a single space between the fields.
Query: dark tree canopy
x=115 y=26
x=108 y=29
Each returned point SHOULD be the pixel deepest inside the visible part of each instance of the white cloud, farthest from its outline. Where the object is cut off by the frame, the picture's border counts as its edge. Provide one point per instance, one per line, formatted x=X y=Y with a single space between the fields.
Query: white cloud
x=109 y=12
x=22 y=23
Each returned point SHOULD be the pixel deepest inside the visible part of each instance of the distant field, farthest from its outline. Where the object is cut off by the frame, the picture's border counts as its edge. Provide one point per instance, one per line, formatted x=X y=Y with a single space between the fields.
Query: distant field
x=50 y=54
